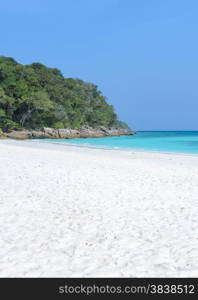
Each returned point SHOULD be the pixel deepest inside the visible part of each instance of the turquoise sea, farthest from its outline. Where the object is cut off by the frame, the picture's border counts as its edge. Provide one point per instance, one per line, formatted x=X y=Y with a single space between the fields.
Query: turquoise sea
x=165 y=141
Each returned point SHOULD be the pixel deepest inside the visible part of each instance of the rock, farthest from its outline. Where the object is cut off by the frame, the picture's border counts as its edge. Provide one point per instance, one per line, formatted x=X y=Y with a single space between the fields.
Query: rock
x=74 y=134
x=2 y=136
x=38 y=134
x=64 y=133
x=50 y=133
x=103 y=129
x=67 y=133
x=21 y=135
x=87 y=131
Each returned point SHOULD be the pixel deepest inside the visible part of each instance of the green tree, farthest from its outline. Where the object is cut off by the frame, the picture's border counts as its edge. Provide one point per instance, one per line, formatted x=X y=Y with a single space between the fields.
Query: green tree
x=36 y=101
x=33 y=96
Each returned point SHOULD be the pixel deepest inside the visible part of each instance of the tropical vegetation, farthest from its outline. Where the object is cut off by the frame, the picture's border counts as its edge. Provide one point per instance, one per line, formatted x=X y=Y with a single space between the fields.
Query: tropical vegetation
x=35 y=96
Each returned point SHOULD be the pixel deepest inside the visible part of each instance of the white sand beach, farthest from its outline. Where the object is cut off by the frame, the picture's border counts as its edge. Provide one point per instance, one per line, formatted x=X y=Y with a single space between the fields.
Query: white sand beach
x=79 y=212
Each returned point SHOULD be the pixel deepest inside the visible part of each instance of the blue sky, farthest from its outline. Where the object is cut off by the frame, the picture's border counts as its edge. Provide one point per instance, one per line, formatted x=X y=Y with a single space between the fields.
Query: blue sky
x=142 y=54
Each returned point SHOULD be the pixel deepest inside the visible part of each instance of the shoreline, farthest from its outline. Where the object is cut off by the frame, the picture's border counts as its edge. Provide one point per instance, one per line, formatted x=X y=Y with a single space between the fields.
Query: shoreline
x=81 y=212
x=117 y=148
x=66 y=133
x=87 y=146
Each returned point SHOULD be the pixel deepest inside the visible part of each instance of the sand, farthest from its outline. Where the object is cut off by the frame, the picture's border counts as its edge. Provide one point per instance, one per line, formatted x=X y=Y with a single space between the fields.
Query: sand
x=77 y=212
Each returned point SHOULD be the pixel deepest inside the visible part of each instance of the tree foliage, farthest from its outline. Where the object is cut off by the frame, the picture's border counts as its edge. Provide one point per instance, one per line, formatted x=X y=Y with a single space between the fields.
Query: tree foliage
x=34 y=96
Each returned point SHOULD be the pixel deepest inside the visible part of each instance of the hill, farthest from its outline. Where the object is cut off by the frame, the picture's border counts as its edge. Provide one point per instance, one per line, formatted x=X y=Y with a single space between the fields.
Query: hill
x=35 y=96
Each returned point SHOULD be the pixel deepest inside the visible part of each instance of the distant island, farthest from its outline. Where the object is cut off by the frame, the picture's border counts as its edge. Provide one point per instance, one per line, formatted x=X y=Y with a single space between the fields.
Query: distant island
x=37 y=101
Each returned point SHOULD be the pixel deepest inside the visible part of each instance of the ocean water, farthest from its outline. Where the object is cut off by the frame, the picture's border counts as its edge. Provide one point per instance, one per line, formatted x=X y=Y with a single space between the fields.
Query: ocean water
x=165 y=141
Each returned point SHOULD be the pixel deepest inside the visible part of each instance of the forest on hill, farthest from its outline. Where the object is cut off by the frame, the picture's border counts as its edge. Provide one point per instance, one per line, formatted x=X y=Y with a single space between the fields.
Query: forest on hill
x=35 y=96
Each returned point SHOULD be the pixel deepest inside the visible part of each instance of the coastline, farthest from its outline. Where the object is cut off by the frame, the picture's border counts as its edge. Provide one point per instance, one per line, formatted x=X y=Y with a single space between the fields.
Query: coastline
x=133 y=150
x=67 y=133
x=78 y=211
